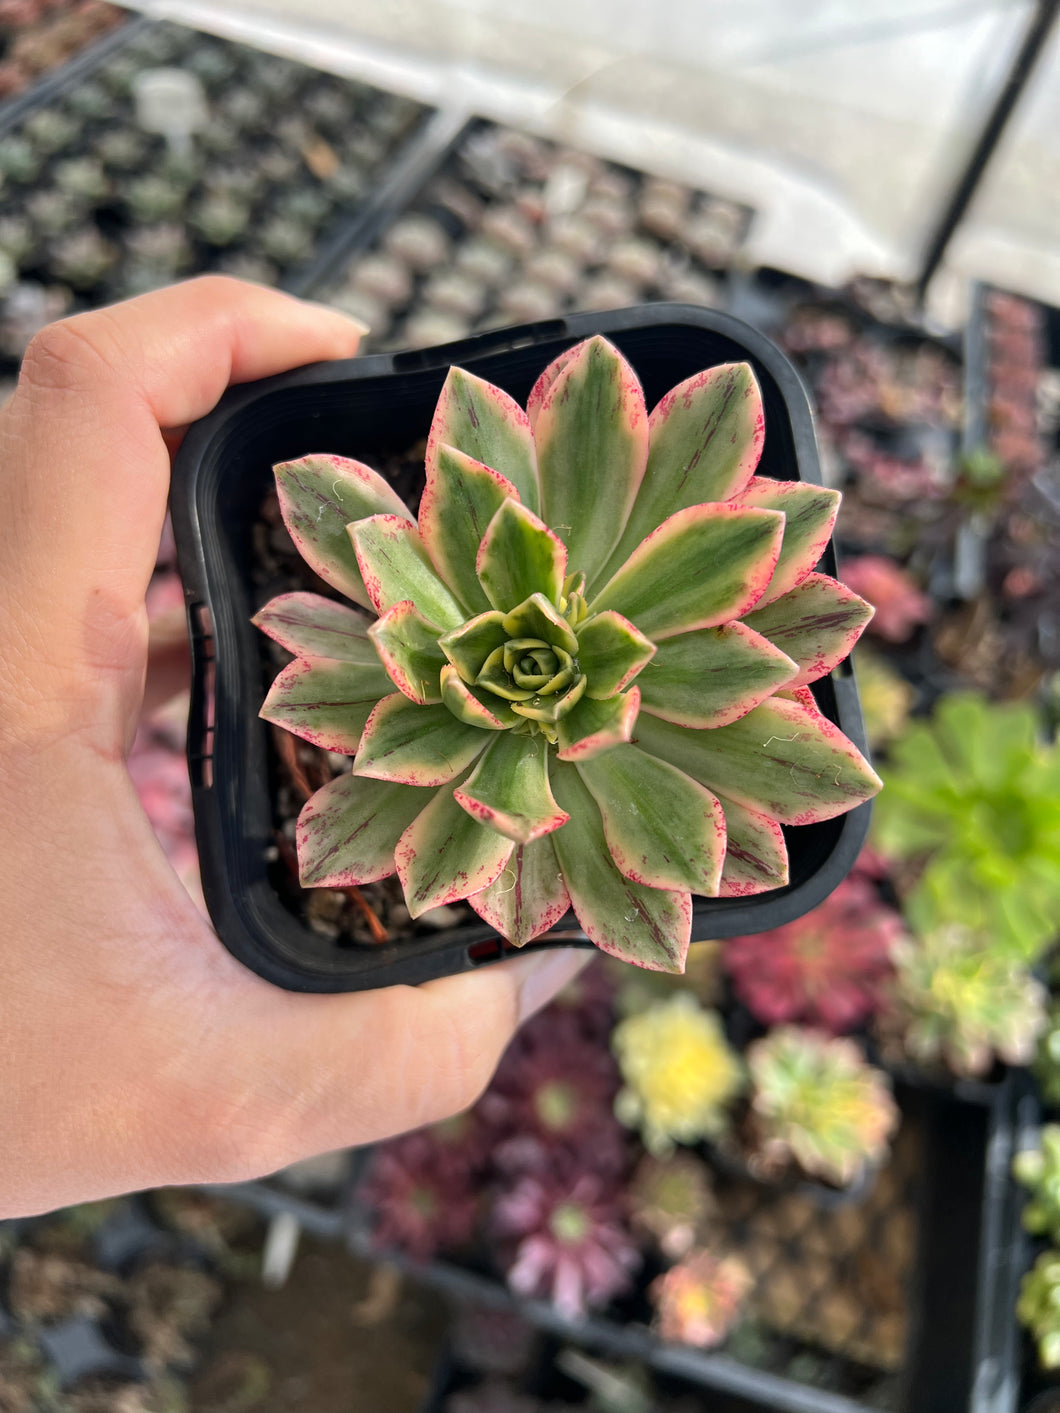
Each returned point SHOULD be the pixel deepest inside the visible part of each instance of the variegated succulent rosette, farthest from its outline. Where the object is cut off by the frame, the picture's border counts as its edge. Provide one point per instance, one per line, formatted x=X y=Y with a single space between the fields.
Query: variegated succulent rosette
x=587 y=683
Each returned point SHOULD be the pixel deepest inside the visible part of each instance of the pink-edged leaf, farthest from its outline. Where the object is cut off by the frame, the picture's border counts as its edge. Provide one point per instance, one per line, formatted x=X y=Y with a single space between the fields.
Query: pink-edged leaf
x=611 y=652
x=706 y=565
x=445 y=855
x=475 y=706
x=756 y=856
x=508 y=789
x=782 y=760
x=468 y=646
x=809 y=512
x=416 y=745
x=309 y=625
x=519 y=556
x=664 y=829
x=325 y=701
x=650 y=927
x=348 y=831
x=408 y=647
x=713 y=676
x=395 y=566
x=319 y=496
x=528 y=897
x=800 y=694
x=486 y=423
x=816 y=624
x=539 y=392
x=592 y=446
x=592 y=726
x=459 y=501
x=706 y=439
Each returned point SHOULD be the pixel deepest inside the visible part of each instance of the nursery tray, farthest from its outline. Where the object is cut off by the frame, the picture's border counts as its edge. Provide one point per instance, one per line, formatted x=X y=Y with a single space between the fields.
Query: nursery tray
x=961 y=1353
x=363 y=408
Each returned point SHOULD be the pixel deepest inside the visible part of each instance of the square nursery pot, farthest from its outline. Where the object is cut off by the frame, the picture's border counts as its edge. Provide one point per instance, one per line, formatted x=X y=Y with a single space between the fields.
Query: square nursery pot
x=370 y=408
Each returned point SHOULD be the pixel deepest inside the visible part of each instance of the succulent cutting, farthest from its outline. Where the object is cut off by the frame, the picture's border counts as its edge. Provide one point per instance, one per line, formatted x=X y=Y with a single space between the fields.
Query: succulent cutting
x=587 y=681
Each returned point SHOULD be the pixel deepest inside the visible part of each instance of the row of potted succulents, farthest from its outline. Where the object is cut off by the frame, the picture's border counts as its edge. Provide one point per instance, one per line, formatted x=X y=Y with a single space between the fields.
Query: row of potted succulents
x=515 y=228
x=94 y=208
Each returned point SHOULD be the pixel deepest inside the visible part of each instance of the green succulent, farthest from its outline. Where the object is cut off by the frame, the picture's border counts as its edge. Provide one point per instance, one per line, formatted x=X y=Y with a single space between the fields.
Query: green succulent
x=1046 y=1064
x=959 y=1001
x=975 y=794
x=817 y=1102
x=1038 y=1308
x=1038 y=1170
x=586 y=685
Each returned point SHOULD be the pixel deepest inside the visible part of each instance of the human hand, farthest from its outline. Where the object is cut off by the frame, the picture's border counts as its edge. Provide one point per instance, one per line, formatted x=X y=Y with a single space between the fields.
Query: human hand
x=134 y=1050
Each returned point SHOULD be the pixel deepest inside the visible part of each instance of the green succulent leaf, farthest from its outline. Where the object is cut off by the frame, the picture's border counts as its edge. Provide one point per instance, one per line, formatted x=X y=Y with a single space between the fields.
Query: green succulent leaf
x=810 y=513
x=663 y=829
x=309 y=625
x=706 y=440
x=416 y=745
x=528 y=897
x=592 y=726
x=468 y=646
x=395 y=567
x=319 y=496
x=611 y=652
x=756 y=856
x=537 y=618
x=592 y=446
x=508 y=789
x=459 y=501
x=782 y=759
x=817 y=624
x=474 y=706
x=325 y=701
x=445 y=854
x=348 y=831
x=648 y=926
x=702 y=567
x=408 y=647
x=518 y=557
x=713 y=676
x=489 y=425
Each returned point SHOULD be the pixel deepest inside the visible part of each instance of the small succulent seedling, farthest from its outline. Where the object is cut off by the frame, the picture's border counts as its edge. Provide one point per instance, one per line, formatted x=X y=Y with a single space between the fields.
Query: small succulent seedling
x=699 y=1300
x=1038 y=1309
x=587 y=682
x=960 y=1000
x=1038 y=1170
x=816 y=1101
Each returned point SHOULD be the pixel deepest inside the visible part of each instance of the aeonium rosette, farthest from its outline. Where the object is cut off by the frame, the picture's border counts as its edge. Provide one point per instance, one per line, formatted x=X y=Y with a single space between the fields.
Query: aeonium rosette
x=587 y=682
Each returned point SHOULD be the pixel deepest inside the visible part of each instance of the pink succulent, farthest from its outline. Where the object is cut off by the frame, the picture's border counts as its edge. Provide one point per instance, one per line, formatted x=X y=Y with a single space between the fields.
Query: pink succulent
x=698 y=1301
x=422 y=1196
x=829 y=968
x=899 y=604
x=567 y=1239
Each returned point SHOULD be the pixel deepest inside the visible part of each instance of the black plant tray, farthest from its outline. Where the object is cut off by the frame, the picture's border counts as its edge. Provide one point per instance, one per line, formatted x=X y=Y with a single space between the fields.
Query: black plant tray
x=366 y=408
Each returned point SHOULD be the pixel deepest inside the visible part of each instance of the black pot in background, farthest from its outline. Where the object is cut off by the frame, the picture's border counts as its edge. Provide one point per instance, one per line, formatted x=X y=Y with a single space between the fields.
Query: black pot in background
x=368 y=408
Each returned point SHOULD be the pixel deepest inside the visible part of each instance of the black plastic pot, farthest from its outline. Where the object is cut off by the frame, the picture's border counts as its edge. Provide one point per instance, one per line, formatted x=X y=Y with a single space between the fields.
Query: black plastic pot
x=369 y=408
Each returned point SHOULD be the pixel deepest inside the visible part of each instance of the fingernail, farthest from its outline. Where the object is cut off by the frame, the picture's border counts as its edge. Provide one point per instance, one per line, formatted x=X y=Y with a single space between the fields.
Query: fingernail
x=545 y=975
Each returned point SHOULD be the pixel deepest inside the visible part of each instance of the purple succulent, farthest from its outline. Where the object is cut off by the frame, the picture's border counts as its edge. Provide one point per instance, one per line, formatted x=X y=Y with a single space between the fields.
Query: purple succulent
x=566 y=1238
x=422 y=1196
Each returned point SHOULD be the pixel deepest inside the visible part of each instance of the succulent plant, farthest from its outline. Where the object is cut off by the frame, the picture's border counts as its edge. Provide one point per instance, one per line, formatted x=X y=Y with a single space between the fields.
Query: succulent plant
x=679 y=1071
x=828 y=968
x=53 y=212
x=900 y=606
x=83 y=257
x=1038 y=1308
x=50 y=130
x=961 y=1001
x=670 y=1199
x=19 y=159
x=219 y=219
x=155 y=197
x=1046 y=1064
x=817 y=1102
x=886 y=697
x=502 y=664
x=699 y=1300
x=285 y=240
x=122 y=149
x=82 y=177
x=975 y=793
x=1038 y=1170
x=422 y=1195
x=564 y=1235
